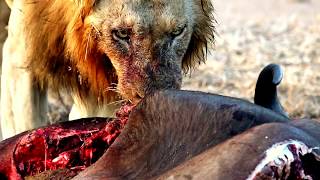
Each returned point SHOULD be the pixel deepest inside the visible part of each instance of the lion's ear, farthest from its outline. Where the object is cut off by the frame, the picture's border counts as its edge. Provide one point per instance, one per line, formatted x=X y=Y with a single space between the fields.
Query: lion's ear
x=203 y=34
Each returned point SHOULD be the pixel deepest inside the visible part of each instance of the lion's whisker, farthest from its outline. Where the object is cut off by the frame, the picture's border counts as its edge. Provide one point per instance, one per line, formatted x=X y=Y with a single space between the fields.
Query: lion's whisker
x=112 y=89
x=119 y=102
x=95 y=28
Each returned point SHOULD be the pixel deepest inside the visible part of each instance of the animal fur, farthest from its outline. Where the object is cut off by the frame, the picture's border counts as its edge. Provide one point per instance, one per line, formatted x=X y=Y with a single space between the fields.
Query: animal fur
x=76 y=45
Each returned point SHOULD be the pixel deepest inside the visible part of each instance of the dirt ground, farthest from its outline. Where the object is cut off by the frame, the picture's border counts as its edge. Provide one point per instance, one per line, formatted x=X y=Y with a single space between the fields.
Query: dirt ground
x=250 y=35
x=254 y=33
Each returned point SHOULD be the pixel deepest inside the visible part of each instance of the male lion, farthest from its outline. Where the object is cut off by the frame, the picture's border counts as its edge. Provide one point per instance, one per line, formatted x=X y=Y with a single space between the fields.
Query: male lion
x=99 y=51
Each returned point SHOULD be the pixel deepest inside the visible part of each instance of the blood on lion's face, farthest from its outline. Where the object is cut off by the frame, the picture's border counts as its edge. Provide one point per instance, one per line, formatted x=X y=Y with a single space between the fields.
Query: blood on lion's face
x=98 y=50
x=146 y=42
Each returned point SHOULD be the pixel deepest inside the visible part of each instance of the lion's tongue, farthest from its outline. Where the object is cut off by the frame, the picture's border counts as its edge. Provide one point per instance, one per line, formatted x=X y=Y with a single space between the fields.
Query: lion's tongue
x=56 y=147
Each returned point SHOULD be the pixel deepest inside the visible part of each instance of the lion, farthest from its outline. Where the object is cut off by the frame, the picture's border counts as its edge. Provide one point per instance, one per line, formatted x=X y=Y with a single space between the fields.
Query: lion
x=100 y=51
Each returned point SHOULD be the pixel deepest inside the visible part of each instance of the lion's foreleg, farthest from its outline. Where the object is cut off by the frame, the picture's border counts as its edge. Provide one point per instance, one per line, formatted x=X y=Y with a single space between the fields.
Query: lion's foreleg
x=23 y=105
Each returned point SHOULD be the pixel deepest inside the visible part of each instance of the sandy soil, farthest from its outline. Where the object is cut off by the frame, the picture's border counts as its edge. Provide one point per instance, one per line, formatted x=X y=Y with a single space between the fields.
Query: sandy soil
x=235 y=11
x=254 y=33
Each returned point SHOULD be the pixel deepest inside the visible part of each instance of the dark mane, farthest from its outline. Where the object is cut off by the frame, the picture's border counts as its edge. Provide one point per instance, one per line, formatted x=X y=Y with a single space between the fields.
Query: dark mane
x=203 y=34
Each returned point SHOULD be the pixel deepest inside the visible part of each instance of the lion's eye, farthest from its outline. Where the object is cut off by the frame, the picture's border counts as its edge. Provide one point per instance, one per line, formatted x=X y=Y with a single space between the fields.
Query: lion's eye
x=121 y=34
x=178 y=32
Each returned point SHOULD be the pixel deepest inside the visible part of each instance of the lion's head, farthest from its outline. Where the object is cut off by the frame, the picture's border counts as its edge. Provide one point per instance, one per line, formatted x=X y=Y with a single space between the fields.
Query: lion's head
x=132 y=46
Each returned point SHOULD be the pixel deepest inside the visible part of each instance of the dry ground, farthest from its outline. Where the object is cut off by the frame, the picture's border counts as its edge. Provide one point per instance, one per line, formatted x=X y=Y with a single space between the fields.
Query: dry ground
x=254 y=33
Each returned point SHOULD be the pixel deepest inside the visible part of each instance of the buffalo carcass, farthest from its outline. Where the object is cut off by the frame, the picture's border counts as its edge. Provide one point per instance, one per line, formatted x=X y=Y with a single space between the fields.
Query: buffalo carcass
x=172 y=134
x=170 y=128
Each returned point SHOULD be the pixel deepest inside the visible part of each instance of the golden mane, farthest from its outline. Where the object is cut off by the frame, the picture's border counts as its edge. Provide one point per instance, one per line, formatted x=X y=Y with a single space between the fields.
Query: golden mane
x=68 y=57
x=73 y=61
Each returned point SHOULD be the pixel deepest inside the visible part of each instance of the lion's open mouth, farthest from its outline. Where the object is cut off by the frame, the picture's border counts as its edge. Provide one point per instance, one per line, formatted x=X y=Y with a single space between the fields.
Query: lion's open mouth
x=288 y=160
x=75 y=148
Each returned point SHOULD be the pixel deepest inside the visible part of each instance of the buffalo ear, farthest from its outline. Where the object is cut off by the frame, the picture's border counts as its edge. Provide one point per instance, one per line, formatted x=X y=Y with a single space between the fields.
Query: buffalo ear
x=203 y=34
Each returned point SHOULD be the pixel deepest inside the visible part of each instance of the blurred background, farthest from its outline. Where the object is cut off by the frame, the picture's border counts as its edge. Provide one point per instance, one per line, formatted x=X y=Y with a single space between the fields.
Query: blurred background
x=254 y=33
x=250 y=35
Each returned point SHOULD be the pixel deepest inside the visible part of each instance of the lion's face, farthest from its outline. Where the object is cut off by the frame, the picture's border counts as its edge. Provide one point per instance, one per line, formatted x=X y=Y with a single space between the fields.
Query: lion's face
x=139 y=45
x=145 y=40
